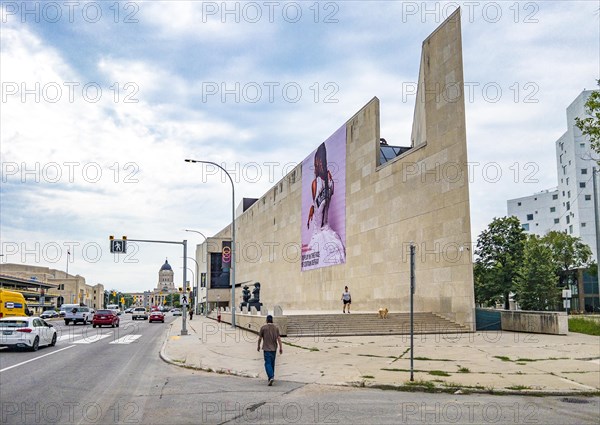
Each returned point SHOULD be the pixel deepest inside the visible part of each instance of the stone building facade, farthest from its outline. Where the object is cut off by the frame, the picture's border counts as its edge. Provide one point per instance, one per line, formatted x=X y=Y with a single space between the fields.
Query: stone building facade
x=419 y=196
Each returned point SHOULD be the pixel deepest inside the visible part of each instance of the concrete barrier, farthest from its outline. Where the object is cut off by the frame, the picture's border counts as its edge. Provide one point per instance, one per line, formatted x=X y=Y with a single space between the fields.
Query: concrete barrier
x=543 y=322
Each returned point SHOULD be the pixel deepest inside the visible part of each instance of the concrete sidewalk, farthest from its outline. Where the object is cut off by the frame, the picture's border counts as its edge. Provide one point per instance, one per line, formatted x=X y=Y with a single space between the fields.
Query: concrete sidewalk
x=492 y=361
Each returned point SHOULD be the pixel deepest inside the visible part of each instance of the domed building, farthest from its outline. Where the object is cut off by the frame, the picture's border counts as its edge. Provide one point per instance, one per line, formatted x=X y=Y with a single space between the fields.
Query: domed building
x=165 y=285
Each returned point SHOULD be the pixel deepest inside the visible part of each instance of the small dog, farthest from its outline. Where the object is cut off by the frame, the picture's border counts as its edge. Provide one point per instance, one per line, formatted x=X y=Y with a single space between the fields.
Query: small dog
x=383 y=313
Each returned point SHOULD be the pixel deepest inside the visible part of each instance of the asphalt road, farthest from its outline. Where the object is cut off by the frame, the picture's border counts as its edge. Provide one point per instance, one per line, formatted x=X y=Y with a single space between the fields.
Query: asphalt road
x=114 y=376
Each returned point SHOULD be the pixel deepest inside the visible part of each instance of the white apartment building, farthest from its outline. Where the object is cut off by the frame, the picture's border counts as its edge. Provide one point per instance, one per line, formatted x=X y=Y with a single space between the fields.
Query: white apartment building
x=538 y=213
x=570 y=206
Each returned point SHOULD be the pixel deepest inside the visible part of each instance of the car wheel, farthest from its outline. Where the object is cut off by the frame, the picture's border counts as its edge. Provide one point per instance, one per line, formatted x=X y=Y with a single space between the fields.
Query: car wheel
x=67 y=322
x=93 y=326
x=112 y=325
x=85 y=321
x=36 y=344
x=53 y=343
x=117 y=325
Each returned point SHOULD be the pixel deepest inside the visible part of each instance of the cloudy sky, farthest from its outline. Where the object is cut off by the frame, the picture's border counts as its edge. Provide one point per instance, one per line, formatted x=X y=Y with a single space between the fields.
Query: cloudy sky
x=103 y=101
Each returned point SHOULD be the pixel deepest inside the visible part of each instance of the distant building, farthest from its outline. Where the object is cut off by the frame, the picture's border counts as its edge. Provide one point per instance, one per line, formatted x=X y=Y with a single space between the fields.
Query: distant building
x=569 y=207
x=65 y=288
x=164 y=287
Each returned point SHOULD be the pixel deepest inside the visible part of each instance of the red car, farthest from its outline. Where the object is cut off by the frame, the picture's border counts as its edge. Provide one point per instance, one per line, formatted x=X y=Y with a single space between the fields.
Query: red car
x=157 y=316
x=105 y=317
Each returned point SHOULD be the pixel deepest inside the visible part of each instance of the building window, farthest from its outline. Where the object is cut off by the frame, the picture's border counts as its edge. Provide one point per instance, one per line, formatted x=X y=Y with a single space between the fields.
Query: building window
x=582 y=185
x=567 y=181
x=569 y=194
x=525 y=226
x=582 y=145
x=588 y=197
x=563 y=193
x=518 y=204
x=554 y=197
x=568 y=206
x=568 y=219
x=584 y=171
x=552 y=209
x=582 y=224
x=529 y=217
x=556 y=221
x=571 y=229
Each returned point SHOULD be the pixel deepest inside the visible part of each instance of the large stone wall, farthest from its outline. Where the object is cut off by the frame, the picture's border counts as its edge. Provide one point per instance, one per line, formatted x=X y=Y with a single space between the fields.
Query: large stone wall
x=421 y=196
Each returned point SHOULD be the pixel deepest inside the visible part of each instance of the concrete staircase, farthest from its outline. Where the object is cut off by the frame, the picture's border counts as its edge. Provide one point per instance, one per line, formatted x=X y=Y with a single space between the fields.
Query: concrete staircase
x=315 y=325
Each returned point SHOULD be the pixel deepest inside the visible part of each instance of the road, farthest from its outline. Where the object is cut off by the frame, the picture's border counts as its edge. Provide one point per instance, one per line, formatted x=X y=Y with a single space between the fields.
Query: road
x=114 y=376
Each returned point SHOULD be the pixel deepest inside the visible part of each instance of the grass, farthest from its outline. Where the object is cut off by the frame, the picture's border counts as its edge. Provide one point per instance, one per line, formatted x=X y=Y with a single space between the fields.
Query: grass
x=503 y=358
x=438 y=373
x=433 y=360
x=420 y=383
x=584 y=326
x=367 y=376
x=299 y=346
x=464 y=370
x=518 y=387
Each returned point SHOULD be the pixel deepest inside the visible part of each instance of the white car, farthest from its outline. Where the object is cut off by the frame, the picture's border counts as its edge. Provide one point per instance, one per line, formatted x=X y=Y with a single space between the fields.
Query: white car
x=139 y=313
x=176 y=312
x=26 y=332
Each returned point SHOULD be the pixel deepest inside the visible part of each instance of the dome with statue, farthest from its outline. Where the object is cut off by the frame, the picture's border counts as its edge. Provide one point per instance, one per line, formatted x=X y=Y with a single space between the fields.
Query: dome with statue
x=166 y=266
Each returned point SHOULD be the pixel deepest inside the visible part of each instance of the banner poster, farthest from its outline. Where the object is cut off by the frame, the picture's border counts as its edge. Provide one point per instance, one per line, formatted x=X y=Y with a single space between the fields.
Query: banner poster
x=324 y=204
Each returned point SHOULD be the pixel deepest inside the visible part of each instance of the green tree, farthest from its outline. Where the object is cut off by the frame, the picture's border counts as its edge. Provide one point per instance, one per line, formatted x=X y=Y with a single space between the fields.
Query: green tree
x=590 y=126
x=499 y=258
x=569 y=253
x=537 y=289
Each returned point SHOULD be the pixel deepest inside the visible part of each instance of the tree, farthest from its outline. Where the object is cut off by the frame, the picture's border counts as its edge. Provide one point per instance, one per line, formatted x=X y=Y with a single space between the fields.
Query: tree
x=590 y=126
x=569 y=253
x=537 y=289
x=499 y=258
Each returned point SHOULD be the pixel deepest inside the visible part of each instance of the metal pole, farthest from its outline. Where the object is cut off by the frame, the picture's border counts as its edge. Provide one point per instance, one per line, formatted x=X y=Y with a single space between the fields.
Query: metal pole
x=595 y=173
x=184 y=311
x=232 y=273
x=196 y=278
x=197 y=303
x=412 y=292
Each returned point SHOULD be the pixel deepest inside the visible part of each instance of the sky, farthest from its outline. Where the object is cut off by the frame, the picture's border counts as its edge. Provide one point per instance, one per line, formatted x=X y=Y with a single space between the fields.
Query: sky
x=102 y=102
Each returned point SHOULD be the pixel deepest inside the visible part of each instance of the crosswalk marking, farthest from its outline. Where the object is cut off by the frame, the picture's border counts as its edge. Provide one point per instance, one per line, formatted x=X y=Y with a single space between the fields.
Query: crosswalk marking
x=127 y=339
x=91 y=339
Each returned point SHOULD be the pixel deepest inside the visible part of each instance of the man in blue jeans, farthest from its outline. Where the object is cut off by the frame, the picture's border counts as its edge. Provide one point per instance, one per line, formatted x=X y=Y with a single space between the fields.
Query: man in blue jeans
x=269 y=335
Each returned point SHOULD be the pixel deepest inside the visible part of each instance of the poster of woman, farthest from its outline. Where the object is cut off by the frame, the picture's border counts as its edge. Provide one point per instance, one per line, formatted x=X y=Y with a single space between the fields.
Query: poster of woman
x=324 y=204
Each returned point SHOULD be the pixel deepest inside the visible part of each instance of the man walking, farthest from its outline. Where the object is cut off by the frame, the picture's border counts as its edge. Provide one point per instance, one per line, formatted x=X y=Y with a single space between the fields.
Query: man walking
x=269 y=335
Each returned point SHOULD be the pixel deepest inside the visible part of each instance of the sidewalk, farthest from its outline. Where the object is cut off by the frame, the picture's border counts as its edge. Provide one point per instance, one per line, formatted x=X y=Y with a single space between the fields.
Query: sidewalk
x=470 y=362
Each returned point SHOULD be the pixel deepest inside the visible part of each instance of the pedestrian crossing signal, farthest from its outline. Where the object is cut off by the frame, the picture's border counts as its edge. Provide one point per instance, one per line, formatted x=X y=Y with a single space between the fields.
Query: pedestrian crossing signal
x=118 y=246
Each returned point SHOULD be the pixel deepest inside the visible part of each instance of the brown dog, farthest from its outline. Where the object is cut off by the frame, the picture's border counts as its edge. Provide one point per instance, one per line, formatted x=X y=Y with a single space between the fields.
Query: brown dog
x=383 y=313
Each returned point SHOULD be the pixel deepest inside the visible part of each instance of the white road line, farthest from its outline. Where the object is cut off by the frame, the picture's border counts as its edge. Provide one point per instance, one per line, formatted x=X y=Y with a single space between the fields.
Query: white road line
x=127 y=339
x=37 y=358
x=90 y=339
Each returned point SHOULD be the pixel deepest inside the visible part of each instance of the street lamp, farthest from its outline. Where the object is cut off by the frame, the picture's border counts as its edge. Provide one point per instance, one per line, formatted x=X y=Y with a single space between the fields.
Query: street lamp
x=232 y=236
x=198 y=275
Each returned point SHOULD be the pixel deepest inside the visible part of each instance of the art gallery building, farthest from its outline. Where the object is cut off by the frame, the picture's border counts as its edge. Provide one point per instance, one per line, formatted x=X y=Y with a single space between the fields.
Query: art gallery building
x=350 y=221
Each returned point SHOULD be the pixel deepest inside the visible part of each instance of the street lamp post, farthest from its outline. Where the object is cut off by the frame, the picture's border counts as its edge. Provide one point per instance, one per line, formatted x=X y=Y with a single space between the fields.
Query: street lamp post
x=232 y=236
x=198 y=273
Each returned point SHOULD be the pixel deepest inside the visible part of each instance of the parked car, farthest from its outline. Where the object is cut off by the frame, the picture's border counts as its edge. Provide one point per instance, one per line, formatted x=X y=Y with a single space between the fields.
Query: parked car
x=157 y=316
x=49 y=314
x=176 y=312
x=26 y=332
x=77 y=313
x=105 y=317
x=129 y=310
x=139 y=313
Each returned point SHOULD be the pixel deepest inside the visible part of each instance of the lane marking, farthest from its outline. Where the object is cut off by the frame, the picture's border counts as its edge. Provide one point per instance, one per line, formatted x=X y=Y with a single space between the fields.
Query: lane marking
x=127 y=339
x=90 y=339
x=37 y=358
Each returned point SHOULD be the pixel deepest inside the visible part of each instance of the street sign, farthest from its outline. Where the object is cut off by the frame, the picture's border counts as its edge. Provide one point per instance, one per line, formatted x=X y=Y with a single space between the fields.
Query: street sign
x=566 y=293
x=118 y=247
x=183 y=299
x=567 y=303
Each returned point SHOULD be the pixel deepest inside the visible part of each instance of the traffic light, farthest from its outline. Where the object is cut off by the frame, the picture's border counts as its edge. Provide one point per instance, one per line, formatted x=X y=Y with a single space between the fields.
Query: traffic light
x=180 y=289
